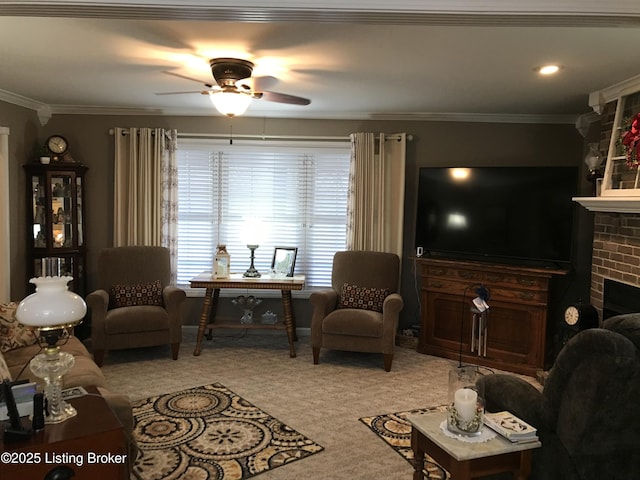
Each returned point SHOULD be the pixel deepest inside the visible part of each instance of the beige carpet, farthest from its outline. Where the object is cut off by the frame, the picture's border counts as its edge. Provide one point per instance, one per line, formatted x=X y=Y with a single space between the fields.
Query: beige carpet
x=323 y=402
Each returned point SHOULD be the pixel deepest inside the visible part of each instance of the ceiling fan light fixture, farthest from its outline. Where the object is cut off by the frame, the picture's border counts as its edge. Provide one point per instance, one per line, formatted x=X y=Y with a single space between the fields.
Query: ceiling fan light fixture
x=230 y=104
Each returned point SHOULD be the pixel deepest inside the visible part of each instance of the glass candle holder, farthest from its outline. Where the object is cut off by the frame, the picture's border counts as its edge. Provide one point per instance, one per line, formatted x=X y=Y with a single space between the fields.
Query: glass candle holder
x=465 y=408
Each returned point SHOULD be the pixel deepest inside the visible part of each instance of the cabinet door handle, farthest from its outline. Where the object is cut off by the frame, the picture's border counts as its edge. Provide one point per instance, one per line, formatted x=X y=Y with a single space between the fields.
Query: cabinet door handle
x=527 y=283
x=436 y=284
x=467 y=275
x=437 y=271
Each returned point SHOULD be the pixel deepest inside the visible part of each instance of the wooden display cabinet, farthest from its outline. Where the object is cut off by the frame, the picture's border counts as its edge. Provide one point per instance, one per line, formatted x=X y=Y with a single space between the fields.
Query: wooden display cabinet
x=516 y=320
x=56 y=220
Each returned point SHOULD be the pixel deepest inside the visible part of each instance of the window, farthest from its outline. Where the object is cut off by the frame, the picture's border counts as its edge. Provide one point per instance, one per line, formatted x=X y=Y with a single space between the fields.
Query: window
x=290 y=194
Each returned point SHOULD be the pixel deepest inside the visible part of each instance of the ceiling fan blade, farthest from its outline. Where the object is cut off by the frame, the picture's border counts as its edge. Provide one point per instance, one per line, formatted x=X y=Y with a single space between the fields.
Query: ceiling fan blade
x=177 y=93
x=284 y=98
x=257 y=83
x=189 y=78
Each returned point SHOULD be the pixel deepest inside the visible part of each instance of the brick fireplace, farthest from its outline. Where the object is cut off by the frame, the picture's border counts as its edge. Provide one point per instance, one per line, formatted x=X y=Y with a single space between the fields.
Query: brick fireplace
x=616 y=252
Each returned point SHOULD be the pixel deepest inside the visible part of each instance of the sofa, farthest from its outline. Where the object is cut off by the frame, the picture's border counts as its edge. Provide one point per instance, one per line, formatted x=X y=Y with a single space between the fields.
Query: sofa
x=18 y=345
x=587 y=414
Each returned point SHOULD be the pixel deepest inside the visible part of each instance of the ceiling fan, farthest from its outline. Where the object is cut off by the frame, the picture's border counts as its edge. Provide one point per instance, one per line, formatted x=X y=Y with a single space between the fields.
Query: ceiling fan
x=234 y=87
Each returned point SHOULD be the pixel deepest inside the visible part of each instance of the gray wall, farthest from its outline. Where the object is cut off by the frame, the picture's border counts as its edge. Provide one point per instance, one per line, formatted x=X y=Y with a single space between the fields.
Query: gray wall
x=434 y=144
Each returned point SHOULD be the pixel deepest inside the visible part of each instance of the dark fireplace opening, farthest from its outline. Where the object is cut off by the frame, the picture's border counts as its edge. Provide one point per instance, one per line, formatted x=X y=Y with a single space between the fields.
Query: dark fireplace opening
x=619 y=298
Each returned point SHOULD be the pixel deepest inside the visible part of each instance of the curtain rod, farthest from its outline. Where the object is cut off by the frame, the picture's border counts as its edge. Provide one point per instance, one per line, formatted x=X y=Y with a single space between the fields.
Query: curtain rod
x=268 y=137
x=279 y=137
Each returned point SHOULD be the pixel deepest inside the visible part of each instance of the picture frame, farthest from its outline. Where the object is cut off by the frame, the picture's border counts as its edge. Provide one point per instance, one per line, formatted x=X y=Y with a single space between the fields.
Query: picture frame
x=284 y=260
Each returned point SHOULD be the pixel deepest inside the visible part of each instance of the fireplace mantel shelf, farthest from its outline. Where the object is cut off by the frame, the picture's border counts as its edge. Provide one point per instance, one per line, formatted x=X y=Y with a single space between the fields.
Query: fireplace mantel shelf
x=610 y=204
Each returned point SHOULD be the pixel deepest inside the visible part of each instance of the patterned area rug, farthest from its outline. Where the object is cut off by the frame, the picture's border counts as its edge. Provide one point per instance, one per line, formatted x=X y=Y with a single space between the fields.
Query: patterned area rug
x=395 y=430
x=211 y=433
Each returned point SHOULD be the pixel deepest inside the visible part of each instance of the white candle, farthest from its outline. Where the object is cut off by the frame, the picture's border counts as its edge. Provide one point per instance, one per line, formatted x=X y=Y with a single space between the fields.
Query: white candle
x=466 y=401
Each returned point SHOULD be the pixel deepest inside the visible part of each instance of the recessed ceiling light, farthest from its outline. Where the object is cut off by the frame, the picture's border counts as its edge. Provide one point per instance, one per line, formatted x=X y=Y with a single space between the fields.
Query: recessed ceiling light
x=548 y=69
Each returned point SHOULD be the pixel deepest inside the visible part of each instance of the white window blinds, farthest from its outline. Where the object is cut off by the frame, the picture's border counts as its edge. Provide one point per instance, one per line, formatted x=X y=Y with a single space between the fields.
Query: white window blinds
x=297 y=191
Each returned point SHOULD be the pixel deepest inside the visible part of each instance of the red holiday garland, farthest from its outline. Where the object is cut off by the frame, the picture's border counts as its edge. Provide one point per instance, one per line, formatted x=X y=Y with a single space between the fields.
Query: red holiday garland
x=631 y=142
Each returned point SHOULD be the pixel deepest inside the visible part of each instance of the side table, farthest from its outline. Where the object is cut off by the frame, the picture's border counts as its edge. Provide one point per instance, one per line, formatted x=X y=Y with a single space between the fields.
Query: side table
x=236 y=280
x=93 y=444
x=464 y=460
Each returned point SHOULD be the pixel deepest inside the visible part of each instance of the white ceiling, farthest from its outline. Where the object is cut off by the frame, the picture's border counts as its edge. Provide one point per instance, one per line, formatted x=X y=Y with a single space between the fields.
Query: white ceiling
x=420 y=60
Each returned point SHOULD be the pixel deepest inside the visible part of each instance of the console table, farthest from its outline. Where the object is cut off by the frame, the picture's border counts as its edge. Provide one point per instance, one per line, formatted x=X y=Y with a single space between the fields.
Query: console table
x=463 y=460
x=516 y=320
x=93 y=444
x=236 y=280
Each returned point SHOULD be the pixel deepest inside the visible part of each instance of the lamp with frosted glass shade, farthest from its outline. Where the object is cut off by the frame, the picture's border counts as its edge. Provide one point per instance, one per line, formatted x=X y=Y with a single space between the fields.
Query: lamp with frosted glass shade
x=52 y=310
x=230 y=103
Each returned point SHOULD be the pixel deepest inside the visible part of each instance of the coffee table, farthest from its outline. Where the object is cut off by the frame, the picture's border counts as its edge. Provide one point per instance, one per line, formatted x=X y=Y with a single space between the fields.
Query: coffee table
x=464 y=460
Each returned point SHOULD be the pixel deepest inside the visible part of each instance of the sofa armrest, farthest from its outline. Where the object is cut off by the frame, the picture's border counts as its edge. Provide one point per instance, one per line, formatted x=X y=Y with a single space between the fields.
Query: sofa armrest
x=390 y=312
x=511 y=393
x=173 y=299
x=324 y=301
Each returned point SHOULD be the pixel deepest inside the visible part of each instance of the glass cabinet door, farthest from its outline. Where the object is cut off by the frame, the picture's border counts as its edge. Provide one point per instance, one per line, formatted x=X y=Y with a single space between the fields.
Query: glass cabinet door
x=62 y=207
x=39 y=204
x=79 y=219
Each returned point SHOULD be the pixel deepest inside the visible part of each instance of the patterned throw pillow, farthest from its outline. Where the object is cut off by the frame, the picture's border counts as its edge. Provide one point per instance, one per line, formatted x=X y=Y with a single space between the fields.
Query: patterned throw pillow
x=367 y=298
x=138 y=294
x=5 y=374
x=13 y=334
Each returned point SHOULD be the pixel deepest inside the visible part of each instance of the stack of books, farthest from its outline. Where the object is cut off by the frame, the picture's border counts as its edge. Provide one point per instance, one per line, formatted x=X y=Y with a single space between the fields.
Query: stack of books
x=511 y=427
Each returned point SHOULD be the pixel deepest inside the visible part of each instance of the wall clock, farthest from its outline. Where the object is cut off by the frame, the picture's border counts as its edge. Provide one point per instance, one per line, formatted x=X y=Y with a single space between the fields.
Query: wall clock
x=57 y=144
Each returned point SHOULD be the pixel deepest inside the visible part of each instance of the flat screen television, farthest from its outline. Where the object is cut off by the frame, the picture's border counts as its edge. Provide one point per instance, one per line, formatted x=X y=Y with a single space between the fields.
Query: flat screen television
x=521 y=215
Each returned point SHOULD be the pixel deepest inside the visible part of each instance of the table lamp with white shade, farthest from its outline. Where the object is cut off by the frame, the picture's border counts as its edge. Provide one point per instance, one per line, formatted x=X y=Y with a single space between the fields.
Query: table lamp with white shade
x=52 y=310
x=254 y=232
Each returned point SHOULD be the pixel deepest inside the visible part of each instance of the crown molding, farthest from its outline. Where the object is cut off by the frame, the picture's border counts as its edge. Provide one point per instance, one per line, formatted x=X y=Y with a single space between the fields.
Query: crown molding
x=480 y=117
x=409 y=12
x=20 y=100
x=45 y=112
x=415 y=117
x=42 y=109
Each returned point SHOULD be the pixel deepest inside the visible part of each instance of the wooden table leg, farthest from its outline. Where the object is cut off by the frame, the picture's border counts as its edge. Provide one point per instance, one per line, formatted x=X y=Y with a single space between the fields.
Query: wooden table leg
x=289 y=321
x=525 y=465
x=204 y=318
x=418 y=454
x=213 y=311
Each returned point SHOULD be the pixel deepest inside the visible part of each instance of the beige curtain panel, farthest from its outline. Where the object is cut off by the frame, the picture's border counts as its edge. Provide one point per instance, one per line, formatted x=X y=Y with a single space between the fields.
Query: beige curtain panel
x=144 y=187
x=376 y=192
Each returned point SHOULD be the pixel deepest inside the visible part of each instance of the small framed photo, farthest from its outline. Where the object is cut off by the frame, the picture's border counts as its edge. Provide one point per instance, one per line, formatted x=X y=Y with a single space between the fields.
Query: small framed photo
x=284 y=261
